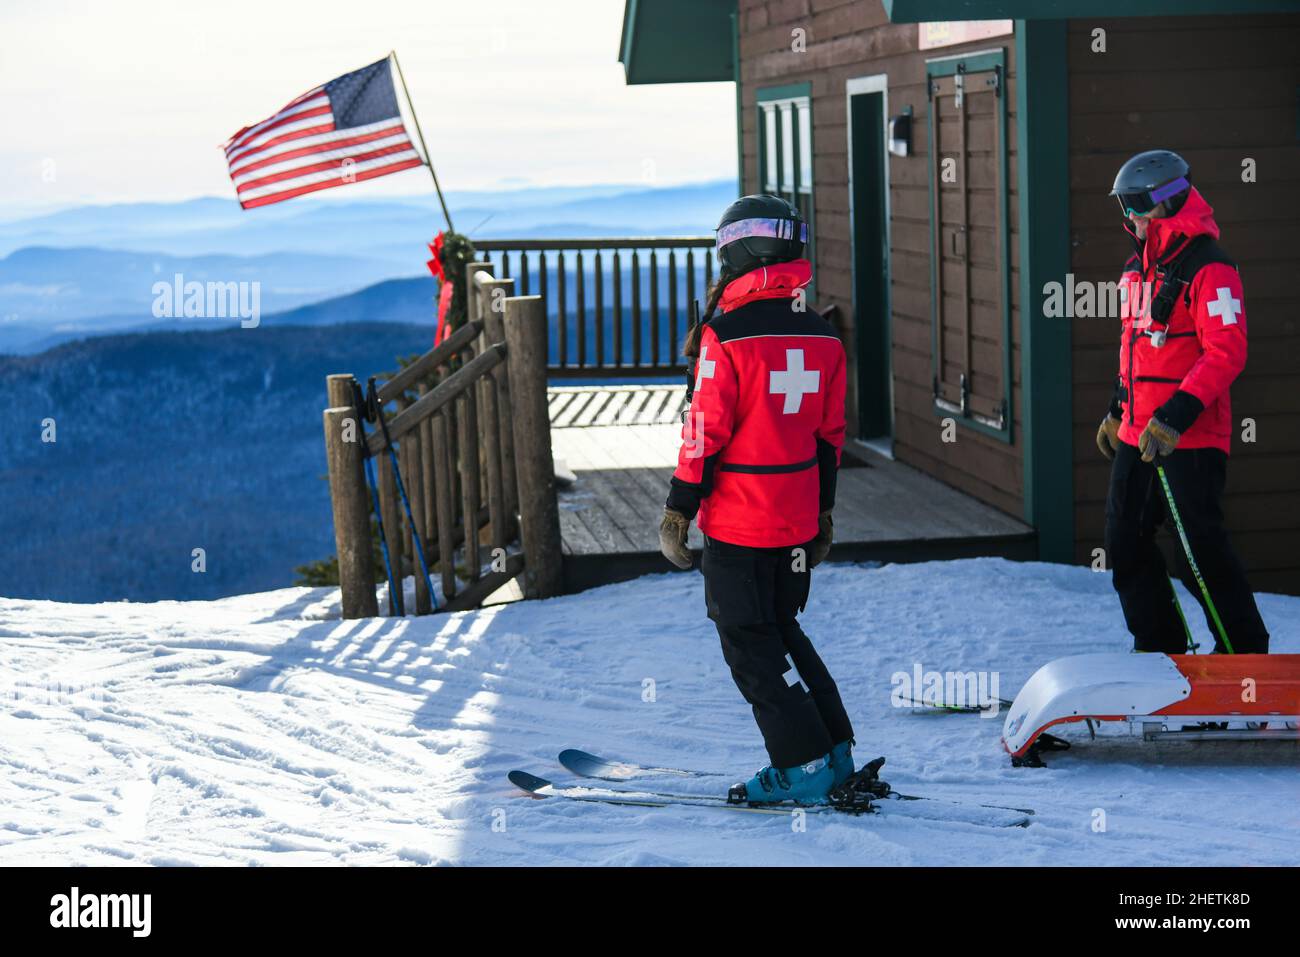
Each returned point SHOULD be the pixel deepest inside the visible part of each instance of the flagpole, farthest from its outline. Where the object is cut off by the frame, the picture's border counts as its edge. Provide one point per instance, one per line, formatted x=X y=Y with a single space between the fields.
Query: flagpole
x=428 y=160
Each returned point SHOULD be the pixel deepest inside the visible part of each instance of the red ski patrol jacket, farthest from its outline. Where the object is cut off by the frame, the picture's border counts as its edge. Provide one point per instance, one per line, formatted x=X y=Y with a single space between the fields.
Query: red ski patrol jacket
x=762 y=441
x=1203 y=345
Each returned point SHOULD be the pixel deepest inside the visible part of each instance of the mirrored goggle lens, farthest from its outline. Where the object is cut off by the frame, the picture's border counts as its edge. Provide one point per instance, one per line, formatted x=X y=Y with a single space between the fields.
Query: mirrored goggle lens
x=1135 y=204
x=762 y=228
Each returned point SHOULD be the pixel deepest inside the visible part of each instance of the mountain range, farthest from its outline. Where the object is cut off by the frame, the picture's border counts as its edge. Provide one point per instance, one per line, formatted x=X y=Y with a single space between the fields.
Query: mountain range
x=92 y=270
x=165 y=442
x=134 y=439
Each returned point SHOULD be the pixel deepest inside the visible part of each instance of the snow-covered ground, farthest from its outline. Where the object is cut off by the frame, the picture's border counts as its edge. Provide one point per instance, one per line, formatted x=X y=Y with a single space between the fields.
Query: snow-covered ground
x=263 y=730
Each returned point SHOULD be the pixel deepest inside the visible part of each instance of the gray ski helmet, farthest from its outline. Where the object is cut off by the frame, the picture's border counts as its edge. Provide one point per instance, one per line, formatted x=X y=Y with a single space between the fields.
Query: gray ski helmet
x=760 y=230
x=1150 y=178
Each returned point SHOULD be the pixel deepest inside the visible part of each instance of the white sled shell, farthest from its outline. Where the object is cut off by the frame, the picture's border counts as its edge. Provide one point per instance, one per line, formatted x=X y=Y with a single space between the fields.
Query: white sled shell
x=1098 y=685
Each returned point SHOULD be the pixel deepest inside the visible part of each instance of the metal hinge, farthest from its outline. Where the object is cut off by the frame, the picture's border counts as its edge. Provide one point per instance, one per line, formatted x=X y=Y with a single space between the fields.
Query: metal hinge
x=995 y=81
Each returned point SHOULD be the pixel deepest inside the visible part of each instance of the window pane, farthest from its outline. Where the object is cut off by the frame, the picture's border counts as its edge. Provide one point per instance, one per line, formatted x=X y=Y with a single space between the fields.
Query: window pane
x=787 y=149
x=805 y=147
x=769 y=149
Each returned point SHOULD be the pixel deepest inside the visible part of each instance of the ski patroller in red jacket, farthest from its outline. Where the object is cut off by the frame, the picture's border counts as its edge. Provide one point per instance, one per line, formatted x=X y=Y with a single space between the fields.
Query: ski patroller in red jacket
x=762 y=441
x=1204 y=347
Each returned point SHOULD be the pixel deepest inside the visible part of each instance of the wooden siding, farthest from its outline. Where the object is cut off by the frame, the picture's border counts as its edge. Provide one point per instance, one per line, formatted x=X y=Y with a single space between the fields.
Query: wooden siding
x=851 y=39
x=1218 y=90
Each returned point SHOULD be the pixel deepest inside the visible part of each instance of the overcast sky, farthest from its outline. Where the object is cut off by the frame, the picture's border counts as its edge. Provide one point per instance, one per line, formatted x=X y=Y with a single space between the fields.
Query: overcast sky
x=128 y=100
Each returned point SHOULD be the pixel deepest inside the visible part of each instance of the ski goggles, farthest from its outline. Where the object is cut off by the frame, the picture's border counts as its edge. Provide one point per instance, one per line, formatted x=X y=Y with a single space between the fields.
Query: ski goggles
x=762 y=228
x=1143 y=202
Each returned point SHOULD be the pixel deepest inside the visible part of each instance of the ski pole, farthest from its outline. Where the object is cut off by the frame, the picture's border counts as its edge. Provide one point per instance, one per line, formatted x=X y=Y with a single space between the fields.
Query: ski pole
x=1178 y=607
x=383 y=535
x=372 y=401
x=1191 y=561
x=415 y=535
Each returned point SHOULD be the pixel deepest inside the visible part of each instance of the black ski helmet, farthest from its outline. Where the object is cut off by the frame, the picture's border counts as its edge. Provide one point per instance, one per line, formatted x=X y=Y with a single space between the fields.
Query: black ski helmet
x=760 y=230
x=1151 y=178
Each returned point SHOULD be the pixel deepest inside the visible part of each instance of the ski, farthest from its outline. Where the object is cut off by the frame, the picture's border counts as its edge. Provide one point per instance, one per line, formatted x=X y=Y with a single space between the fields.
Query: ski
x=1003 y=704
x=587 y=765
x=542 y=788
x=892 y=805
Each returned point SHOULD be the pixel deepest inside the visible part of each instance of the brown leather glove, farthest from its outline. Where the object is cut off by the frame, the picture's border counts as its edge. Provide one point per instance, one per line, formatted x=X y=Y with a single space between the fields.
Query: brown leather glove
x=821 y=545
x=1157 y=437
x=1108 y=436
x=672 y=538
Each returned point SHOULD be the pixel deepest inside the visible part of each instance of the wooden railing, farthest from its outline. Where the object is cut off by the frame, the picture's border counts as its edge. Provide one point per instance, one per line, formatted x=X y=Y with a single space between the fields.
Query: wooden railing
x=471 y=438
x=617 y=306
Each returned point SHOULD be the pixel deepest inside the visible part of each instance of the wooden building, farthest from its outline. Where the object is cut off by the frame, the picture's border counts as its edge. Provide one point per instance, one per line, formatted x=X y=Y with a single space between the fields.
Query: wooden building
x=1007 y=132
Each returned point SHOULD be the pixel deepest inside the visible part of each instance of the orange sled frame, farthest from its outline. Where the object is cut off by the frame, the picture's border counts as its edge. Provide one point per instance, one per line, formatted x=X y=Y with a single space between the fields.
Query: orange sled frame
x=1162 y=693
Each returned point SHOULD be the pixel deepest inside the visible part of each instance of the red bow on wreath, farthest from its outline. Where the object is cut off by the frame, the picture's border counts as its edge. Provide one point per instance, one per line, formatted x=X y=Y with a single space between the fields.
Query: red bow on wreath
x=435 y=264
x=445 y=290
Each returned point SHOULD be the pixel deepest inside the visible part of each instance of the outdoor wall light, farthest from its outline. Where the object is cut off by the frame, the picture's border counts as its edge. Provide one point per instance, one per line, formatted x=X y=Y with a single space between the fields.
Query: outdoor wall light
x=900 y=133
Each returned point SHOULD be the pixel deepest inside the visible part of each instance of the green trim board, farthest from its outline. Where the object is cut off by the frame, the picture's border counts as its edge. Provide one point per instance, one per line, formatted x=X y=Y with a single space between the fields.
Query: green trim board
x=978 y=62
x=922 y=11
x=982 y=61
x=790 y=91
x=1043 y=180
x=868 y=162
x=678 y=41
x=740 y=104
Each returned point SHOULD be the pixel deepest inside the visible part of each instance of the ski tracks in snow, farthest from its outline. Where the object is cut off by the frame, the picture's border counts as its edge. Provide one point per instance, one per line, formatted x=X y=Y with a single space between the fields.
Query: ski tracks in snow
x=261 y=729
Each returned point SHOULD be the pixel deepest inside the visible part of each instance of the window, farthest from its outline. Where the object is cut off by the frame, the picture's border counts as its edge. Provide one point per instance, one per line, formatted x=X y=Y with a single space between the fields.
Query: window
x=785 y=154
x=970 y=272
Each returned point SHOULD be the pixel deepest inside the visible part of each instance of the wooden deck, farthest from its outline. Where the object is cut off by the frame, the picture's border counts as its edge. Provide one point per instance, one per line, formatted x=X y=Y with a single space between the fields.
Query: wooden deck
x=621 y=443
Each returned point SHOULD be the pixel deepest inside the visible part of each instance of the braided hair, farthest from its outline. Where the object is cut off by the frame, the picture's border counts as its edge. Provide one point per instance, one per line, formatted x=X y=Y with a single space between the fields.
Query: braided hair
x=691 y=345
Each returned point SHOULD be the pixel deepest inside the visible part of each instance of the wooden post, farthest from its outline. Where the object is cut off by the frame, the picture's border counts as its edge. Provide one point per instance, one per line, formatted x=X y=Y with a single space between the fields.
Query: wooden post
x=443 y=504
x=475 y=305
x=539 y=512
x=429 y=475
x=338 y=391
x=351 y=506
x=413 y=465
x=467 y=417
x=488 y=431
x=494 y=330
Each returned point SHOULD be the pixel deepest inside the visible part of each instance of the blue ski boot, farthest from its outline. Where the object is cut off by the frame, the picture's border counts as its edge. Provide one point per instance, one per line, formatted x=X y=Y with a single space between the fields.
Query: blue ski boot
x=809 y=783
x=842 y=761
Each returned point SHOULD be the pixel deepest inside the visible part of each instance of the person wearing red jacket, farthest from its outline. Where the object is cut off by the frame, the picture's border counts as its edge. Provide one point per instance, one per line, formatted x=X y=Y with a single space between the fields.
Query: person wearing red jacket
x=1182 y=344
x=760 y=448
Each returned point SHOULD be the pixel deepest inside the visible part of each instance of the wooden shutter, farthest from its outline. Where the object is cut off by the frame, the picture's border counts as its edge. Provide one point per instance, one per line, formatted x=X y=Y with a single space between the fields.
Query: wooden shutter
x=970 y=307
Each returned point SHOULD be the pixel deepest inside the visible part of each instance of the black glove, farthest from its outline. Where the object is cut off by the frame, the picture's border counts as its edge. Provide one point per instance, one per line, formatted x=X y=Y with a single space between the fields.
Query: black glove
x=821 y=545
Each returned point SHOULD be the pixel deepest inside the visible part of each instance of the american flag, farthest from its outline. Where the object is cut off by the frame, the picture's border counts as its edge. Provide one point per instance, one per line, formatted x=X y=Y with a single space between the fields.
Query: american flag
x=345 y=131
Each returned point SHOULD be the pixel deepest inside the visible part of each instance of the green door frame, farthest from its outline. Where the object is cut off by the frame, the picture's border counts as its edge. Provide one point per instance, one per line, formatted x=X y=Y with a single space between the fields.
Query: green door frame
x=868 y=161
x=1043 y=179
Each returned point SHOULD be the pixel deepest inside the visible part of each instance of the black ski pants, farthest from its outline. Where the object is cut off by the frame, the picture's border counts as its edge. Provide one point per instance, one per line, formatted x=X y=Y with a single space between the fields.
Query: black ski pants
x=753 y=596
x=1135 y=509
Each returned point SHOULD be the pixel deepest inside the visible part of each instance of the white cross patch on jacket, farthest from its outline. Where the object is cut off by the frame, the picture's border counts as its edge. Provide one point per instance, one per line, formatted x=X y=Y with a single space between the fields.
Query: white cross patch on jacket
x=704 y=367
x=795 y=382
x=1225 y=307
